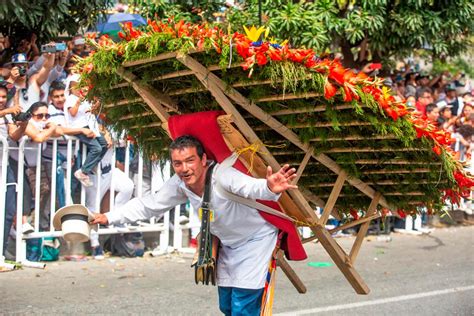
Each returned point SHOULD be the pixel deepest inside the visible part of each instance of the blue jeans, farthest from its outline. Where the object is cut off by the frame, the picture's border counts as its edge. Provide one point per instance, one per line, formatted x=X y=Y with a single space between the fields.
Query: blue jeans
x=10 y=206
x=235 y=301
x=96 y=149
x=60 y=192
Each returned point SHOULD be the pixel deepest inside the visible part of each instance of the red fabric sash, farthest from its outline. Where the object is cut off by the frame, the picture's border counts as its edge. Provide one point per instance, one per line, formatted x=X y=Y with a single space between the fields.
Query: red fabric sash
x=203 y=126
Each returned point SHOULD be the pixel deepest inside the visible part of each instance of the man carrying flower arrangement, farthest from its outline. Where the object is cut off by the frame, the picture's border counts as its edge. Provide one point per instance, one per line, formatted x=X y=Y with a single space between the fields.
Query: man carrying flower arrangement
x=247 y=240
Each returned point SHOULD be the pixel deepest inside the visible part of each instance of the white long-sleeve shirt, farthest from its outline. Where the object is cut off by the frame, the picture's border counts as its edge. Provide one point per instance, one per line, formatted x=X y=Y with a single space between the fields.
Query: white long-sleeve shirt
x=247 y=239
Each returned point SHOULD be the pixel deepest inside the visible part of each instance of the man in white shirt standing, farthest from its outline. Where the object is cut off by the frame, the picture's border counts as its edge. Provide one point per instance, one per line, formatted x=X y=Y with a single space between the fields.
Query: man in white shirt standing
x=247 y=240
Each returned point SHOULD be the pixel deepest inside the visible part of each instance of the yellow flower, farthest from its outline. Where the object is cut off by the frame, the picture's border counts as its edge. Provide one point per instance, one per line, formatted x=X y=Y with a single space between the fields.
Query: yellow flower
x=274 y=41
x=254 y=34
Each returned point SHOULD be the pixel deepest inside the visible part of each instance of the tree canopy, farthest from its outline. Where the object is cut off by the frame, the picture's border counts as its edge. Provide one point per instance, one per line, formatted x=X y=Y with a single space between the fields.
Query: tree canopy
x=367 y=30
x=48 y=19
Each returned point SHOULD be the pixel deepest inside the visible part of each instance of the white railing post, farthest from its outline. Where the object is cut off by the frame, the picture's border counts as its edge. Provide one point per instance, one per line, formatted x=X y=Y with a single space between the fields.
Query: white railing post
x=112 y=181
x=54 y=170
x=20 y=243
x=37 y=195
x=3 y=193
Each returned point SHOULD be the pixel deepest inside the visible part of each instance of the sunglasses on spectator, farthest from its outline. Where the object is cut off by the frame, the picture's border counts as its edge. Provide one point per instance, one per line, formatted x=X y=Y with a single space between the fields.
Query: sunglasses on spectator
x=41 y=116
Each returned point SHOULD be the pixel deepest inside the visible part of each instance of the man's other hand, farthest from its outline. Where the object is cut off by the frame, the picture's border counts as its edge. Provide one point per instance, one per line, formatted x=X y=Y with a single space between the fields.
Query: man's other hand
x=100 y=219
x=281 y=180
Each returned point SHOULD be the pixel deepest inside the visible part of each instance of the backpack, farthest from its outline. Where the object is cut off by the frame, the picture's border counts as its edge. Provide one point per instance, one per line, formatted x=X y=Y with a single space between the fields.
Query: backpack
x=126 y=245
x=43 y=249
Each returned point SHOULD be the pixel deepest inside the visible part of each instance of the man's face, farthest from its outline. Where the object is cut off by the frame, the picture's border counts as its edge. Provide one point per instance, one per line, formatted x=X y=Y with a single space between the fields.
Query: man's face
x=425 y=98
x=3 y=98
x=189 y=167
x=58 y=99
x=451 y=94
x=433 y=115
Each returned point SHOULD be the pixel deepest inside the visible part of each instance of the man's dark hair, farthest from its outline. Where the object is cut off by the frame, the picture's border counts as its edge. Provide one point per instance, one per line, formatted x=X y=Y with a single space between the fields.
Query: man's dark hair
x=187 y=141
x=430 y=107
x=422 y=91
x=36 y=106
x=56 y=86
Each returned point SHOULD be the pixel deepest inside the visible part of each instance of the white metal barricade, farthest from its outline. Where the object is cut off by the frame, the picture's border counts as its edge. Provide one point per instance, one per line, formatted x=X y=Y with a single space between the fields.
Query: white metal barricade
x=73 y=142
x=3 y=191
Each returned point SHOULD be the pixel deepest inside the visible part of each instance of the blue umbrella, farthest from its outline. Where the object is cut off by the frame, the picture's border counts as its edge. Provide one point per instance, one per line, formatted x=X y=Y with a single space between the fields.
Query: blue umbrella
x=113 y=21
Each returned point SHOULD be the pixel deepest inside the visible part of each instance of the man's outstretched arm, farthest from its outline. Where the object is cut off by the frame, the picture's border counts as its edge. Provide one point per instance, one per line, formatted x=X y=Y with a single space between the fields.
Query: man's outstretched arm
x=144 y=208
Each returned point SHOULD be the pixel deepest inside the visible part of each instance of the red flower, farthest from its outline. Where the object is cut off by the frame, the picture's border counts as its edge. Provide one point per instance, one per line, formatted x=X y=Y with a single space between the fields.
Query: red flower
x=261 y=59
x=329 y=90
x=437 y=150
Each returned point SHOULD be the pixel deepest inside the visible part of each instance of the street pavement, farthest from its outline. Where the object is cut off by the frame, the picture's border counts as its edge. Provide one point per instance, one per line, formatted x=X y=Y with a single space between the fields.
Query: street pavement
x=408 y=275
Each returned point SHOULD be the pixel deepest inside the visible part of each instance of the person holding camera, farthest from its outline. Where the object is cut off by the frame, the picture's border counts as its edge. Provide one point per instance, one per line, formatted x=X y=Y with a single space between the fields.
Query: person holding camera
x=29 y=86
x=7 y=128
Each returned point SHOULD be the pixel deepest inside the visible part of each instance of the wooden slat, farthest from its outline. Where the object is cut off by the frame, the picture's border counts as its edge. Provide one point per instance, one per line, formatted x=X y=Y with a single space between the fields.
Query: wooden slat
x=164 y=56
x=321 y=124
x=288 y=96
x=370 y=150
x=336 y=190
x=155 y=101
x=130 y=116
x=124 y=102
x=386 y=193
x=301 y=167
x=352 y=138
x=345 y=226
x=381 y=182
x=363 y=229
x=321 y=108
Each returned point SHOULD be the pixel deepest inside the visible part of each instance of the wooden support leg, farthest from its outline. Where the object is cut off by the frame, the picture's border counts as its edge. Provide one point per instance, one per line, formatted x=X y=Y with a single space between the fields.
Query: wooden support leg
x=341 y=260
x=290 y=273
x=363 y=228
x=336 y=190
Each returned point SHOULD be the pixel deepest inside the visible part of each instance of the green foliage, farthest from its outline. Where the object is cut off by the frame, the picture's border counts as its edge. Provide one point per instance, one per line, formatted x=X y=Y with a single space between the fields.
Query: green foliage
x=365 y=30
x=188 y=10
x=48 y=19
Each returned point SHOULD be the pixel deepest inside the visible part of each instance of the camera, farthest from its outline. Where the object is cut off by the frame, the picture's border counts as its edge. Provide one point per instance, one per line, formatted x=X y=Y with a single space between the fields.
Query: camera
x=22 y=117
x=53 y=48
x=22 y=70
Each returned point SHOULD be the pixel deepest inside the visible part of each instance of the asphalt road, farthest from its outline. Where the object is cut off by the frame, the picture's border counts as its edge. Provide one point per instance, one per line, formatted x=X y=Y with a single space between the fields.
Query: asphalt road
x=409 y=275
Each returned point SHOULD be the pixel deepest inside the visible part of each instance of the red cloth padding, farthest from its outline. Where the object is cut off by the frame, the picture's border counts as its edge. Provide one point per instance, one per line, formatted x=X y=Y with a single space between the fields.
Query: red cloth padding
x=203 y=126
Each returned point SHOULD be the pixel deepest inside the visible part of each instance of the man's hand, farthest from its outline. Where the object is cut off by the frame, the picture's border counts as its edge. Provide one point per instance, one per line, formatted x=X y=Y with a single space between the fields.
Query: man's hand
x=14 y=74
x=88 y=133
x=281 y=181
x=100 y=219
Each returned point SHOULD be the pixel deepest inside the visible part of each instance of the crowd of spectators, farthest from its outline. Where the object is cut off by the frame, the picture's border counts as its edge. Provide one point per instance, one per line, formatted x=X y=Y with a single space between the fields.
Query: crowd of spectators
x=446 y=100
x=40 y=99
